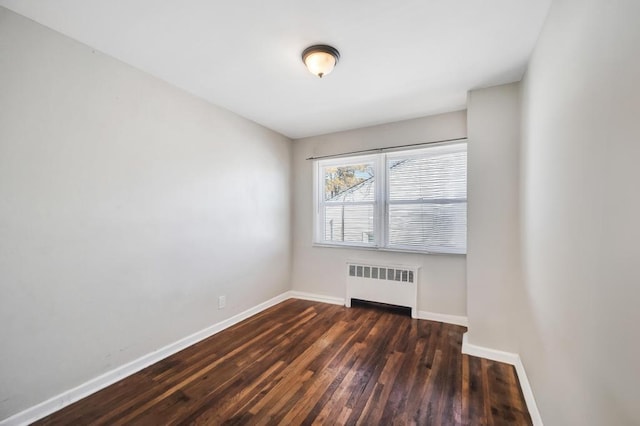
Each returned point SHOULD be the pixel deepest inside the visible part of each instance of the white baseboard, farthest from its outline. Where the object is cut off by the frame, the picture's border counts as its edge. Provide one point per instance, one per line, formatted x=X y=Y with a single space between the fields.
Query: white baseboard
x=449 y=319
x=508 y=358
x=488 y=353
x=316 y=297
x=92 y=386
x=70 y=396
x=527 y=391
x=425 y=315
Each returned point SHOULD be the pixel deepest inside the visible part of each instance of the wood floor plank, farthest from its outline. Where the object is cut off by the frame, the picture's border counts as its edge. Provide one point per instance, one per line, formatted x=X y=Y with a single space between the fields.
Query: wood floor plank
x=465 y=391
x=303 y=362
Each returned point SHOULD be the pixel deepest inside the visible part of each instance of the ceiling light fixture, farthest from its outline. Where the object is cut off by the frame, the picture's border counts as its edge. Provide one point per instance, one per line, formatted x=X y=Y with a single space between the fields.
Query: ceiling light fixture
x=320 y=59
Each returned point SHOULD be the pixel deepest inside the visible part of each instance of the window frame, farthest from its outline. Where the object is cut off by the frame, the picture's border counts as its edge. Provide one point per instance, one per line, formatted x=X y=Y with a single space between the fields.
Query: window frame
x=319 y=202
x=381 y=200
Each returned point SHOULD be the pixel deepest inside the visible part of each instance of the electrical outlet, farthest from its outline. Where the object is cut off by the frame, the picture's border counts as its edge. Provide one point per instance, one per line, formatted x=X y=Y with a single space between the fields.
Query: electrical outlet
x=222 y=302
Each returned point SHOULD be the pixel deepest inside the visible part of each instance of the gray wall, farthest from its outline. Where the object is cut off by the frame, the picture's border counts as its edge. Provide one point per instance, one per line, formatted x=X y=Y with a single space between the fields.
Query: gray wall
x=126 y=208
x=553 y=215
x=493 y=257
x=579 y=316
x=321 y=270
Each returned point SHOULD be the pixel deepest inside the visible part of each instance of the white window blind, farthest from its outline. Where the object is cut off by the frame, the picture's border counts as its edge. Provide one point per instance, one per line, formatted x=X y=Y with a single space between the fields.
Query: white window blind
x=413 y=200
x=427 y=199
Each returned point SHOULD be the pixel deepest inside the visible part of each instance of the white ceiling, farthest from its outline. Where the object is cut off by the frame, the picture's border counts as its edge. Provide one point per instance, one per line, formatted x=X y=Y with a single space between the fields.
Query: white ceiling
x=400 y=59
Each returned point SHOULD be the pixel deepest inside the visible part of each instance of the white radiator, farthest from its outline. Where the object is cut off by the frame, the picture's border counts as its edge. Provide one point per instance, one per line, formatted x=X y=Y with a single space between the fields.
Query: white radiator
x=391 y=284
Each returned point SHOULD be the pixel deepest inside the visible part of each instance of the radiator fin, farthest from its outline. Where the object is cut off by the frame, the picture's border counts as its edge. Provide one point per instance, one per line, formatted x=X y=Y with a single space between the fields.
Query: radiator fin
x=379 y=273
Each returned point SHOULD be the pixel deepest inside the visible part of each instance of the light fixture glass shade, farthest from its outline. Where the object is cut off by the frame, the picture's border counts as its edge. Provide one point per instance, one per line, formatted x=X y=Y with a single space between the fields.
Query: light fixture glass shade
x=320 y=60
x=320 y=63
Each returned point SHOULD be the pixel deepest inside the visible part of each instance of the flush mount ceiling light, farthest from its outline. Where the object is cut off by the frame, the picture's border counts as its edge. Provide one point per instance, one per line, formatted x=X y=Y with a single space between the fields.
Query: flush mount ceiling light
x=320 y=59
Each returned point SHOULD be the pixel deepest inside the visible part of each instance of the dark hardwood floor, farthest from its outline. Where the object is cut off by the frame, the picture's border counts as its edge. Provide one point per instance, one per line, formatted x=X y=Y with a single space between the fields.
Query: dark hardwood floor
x=304 y=362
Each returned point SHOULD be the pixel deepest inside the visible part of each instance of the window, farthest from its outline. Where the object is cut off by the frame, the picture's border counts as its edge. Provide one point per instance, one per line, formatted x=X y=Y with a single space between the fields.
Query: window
x=405 y=200
x=349 y=201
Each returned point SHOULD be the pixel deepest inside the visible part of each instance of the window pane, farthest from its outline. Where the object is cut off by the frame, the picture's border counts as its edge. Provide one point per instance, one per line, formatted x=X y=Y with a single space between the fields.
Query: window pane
x=347 y=223
x=429 y=226
x=433 y=176
x=354 y=182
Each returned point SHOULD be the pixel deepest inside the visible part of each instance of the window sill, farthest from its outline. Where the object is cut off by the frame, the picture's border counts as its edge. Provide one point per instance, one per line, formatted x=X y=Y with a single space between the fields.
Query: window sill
x=384 y=249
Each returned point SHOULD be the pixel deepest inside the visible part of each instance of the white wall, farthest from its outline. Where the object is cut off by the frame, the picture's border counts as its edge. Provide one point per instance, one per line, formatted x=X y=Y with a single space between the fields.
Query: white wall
x=493 y=257
x=321 y=270
x=126 y=208
x=579 y=317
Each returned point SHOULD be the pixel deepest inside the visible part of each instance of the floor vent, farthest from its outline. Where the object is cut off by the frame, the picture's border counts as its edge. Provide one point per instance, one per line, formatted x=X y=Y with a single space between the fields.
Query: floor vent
x=391 y=284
